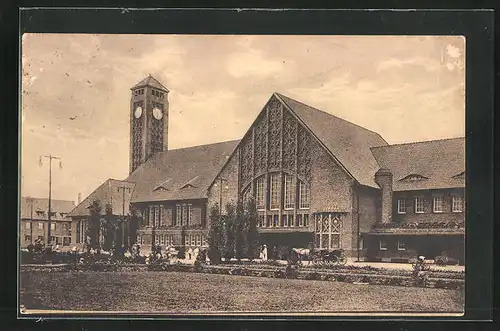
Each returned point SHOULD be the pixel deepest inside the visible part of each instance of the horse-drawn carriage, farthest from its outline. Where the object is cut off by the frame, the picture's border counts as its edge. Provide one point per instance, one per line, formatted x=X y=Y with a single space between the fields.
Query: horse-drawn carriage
x=318 y=256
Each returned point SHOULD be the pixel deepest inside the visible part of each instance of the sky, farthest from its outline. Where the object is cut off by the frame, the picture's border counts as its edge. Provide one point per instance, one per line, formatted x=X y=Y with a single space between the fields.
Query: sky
x=75 y=97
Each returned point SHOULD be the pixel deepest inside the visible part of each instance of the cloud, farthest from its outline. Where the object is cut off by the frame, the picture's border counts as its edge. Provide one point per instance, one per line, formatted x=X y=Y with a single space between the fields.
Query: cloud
x=253 y=64
x=428 y=64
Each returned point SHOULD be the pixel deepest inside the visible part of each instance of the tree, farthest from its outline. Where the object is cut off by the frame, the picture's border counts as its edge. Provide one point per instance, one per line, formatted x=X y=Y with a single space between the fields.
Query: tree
x=252 y=235
x=229 y=222
x=108 y=229
x=134 y=220
x=239 y=227
x=215 y=235
x=94 y=224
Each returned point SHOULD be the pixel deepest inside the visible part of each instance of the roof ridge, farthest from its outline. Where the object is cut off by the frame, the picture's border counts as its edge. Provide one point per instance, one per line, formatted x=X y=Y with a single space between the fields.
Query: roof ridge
x=203 y=145
x=418 y=142
x=322 y=111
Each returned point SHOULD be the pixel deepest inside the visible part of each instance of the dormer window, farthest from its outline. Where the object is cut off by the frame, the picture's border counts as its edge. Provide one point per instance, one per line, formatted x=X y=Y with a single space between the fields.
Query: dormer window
x=413 y=178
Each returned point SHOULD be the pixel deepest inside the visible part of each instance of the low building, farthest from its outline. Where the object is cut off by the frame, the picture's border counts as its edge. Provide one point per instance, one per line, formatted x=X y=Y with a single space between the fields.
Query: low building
x=35 y=221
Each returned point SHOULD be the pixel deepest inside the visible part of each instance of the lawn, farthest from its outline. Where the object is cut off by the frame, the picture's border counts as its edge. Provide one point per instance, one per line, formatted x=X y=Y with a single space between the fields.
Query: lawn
x=171 y=292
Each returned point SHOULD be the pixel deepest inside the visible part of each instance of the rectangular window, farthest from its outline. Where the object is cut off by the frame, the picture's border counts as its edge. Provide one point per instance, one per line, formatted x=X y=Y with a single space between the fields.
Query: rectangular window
x=52 y=239
x=456 y=205
x=193 y=240
x=269 y=221
x=189 y=219
x=306 y=220
x=151 y=216
x=156 y=221
x=291 y=222
x=401 y=245
x=401 y=206
x=198 y=240
x=437 y=205
x=261 y=221
x=27 y=239
x=162 y=240
x=28 y=225
x=383 y=245
x=162 y=216
x=284 y=221
x=157 y=240
x=184 y=214
x=260 y=193
x=52 y=226
x=275 y=192
x=178 y=215
x=303 y=196
x=58 y=240
x=289 y=192
x=276 y=220
x=40 y=226
x=78 y=232
x=419 y=205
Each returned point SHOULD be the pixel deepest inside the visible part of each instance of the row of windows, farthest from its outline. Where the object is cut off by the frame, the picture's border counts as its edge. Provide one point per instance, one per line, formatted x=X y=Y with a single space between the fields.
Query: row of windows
x=437 y=205
x=274 y=221
x=65 y=241
x=401 y=245
x=157 y=94
x=139 y=92
x=156 y=215
x=168 y=240
x=41 y=226
x=52 y=213
x=282 y=192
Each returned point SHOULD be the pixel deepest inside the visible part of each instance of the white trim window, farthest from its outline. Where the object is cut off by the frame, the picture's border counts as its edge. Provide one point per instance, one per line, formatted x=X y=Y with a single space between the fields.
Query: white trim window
x=383 y=245
x=261 y=221
x=437 y=205
x=189 y=214
x=401 y=245
x=303 y=196
x=456 y=204
x=289 y=192
x=419 y=205
x=401 y=206
x=193 y=240
x=162 y=239
x=178 y=215
x=184 y=220
x=260 y=193
x=28 y=226
x=40 y=225
x=275 y=191
x=198 y=240
x=52 y=226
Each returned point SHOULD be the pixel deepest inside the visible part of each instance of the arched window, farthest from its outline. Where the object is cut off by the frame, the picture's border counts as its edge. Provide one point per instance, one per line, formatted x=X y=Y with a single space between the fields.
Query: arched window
x=274 y=191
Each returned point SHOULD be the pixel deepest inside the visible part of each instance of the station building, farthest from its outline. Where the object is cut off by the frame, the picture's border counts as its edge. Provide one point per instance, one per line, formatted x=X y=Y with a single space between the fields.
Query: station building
x=317 y=180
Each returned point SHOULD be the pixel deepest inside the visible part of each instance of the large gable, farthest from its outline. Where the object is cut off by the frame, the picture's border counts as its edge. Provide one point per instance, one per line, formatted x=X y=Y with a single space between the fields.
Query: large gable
x=180 y=174
x=424 y=165
x=347 y=142
x=116 y=193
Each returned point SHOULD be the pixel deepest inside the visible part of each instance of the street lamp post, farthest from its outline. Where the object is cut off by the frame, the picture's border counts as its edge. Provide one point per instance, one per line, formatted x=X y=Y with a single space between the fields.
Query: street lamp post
x=123 y=188
x=50 y=158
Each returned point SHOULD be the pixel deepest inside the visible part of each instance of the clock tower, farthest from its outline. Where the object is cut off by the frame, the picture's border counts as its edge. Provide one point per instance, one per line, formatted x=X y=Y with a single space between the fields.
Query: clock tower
x=148 y=121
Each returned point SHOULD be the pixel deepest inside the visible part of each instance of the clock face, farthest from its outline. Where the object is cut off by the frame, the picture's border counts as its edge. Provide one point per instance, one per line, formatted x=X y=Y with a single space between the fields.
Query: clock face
x=138 y=112
x=157 y=113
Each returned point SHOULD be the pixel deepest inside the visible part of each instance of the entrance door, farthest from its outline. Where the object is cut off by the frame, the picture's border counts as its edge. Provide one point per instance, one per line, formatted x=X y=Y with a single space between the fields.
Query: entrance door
x=328 y=230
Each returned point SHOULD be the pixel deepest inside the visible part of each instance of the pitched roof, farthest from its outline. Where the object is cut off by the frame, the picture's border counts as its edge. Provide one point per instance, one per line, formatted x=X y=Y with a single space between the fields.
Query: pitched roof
x=111 y=191
x=441 y=161
x=150 y=81
x=42 y=205
x=349 y=143
x=183 y=173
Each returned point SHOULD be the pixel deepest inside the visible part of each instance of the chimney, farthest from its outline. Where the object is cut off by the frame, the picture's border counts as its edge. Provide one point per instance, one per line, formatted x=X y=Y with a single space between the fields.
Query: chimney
x=79 y=198
x=383 y=177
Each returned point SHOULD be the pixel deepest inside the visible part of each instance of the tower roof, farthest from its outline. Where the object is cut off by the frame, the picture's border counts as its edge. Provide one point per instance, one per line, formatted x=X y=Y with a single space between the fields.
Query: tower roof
x=150 y=81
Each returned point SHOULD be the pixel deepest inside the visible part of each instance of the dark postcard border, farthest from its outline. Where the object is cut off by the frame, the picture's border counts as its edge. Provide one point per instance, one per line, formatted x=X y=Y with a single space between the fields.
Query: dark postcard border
x=477 y=26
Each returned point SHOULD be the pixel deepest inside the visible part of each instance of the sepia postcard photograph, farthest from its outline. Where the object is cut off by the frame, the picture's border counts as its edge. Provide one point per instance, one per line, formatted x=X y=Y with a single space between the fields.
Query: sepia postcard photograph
x=200 y=174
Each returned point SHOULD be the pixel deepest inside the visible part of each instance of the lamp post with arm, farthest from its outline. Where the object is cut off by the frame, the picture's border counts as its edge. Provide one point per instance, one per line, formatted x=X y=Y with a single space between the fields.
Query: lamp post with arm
x=50 y=158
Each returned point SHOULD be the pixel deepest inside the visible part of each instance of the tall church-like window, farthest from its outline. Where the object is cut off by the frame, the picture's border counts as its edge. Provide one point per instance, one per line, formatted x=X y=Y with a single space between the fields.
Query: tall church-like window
x=260 y=193
x=289 y=192
x=178 y=215
x=303 y=196
x=275 y=191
